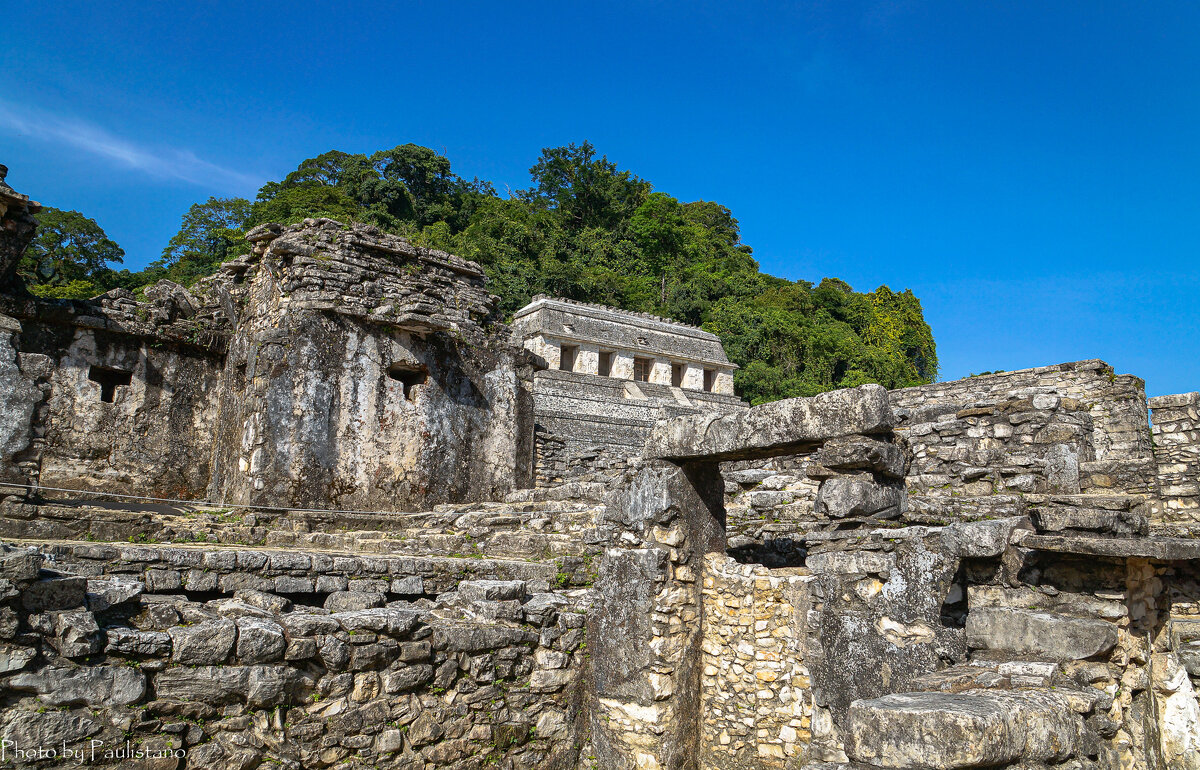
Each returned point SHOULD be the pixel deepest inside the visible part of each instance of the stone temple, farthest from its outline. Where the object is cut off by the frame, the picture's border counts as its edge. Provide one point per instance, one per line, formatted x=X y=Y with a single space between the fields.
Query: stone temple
x=324 y=509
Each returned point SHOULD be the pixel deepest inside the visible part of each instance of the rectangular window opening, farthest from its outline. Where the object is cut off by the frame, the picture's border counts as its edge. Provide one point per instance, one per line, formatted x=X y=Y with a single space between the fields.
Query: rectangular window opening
x=566 y=359
x=604 y=366
x=408 y=375
x=677 y=371
x=110 y=379
x=710 y=380
x=641 y=369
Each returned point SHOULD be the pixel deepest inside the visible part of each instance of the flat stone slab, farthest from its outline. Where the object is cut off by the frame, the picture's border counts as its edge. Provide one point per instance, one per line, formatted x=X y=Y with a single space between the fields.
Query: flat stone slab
x=772 y=429
x=1028 y=632
x=944 y=731
x=1164 y=548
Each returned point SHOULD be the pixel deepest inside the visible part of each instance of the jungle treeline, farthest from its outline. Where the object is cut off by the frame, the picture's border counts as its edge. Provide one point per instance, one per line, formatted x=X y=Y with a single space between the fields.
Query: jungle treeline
x=584 y=229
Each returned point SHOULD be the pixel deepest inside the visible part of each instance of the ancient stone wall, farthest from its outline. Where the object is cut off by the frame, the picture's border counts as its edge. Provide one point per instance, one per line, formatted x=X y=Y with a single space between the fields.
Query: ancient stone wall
x=114 y=395
x=1177 y=454
x=114 y=662
x=755 y=690
x=994 y=439
x=1116 y=402
x=335 y=367
x=360 y=377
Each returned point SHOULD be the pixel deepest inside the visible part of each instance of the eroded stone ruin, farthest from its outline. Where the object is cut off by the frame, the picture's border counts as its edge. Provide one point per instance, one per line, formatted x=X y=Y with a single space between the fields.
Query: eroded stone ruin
x=324 y=510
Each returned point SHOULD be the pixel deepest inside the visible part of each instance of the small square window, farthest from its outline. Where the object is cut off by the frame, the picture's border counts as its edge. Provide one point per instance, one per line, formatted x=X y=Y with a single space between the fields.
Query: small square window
x=110 y=379
x=409 y=376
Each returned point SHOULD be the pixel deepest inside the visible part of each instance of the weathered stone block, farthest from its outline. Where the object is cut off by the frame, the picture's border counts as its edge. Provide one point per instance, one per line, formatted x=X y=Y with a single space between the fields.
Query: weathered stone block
x=1026 y=632
x=205 y=643
x=860 y=495
x=773 y=428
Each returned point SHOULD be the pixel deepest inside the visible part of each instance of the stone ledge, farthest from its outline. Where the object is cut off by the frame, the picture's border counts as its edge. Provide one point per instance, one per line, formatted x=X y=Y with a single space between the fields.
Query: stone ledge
x=776 y=428
x=1164 y=548
x=1174 y=400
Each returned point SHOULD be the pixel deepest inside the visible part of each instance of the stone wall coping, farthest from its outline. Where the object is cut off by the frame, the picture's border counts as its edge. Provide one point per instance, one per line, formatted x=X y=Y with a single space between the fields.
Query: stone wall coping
x=616 y=315
x=1091 y=364
x=1175 y=400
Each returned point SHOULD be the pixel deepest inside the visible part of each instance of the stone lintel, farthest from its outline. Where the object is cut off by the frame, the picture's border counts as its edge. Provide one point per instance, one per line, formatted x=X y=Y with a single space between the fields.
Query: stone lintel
x=1163 y=548
x=781 y=427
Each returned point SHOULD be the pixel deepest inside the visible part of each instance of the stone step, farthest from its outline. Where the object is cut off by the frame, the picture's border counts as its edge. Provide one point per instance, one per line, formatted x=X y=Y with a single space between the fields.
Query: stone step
x=1045 y=635
x=501 y=544
x=973 y=728
x=170 y=569
x=184 y=524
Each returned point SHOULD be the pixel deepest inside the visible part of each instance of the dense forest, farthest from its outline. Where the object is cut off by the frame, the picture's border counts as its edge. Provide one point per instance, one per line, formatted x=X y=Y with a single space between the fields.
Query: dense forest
x=584 y=229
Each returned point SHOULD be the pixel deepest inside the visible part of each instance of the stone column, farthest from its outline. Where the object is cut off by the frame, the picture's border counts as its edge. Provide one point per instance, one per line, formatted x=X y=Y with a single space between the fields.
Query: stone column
x=645 y=636
x=587 y=359
x=724 y=383
x=660 y=373
x=693 y=377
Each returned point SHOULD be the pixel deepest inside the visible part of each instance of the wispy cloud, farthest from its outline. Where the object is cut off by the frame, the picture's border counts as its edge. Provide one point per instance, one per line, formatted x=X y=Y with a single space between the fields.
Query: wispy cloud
x=161 y=162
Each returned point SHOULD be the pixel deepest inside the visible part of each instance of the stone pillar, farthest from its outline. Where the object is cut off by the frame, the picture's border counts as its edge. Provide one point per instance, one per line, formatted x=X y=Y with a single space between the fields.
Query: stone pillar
x=645 y=636
x=660 y=373
x=622 y=365
x=587 y=359
x=693 y=377
x=724 y=383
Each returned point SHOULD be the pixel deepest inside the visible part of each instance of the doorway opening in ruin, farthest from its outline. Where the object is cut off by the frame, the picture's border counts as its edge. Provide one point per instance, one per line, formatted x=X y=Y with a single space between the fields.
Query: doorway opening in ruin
x=710 y=380
x=566 y=359
x=604 y=365
x=409 y=376
x=109 y=379
x=641 y=369
x=677 y=371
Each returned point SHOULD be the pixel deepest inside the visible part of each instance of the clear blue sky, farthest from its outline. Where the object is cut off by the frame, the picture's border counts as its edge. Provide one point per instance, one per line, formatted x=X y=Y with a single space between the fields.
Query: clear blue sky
x=1030 y=170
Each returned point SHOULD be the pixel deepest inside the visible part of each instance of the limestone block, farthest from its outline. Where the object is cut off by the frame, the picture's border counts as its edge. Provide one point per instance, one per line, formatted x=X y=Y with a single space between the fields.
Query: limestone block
x=859 y=495
x=95 y=686
x=259 y=640
x=106 y=593
x=55 y=594
x=205 y=643
x=127 y=641
x=773 y=428
x=858 y=453
x=1026 y=632
x=971 y=729
x=1178 y=712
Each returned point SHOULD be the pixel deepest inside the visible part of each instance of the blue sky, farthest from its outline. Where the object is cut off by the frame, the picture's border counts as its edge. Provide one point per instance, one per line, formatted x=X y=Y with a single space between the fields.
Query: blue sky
x=1030 y=170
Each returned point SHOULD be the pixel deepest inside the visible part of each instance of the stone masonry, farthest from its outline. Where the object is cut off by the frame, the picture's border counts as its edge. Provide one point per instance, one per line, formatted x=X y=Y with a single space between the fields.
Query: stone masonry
x=415 y=540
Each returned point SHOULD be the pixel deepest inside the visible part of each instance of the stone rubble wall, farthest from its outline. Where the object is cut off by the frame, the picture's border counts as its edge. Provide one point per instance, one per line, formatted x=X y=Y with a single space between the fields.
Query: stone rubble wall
x=995 y=439
x=489 y=674
x=1177 y=452
x=1116 y=402
x=754 y=688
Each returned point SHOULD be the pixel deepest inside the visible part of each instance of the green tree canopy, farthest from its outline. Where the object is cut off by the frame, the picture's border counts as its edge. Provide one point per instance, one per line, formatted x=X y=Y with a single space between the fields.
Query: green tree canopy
x=588 y=230
x=69 y=257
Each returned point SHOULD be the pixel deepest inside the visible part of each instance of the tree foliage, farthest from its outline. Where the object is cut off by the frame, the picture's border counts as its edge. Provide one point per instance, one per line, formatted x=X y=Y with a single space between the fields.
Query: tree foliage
x=587 y=230
x=70 y=257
